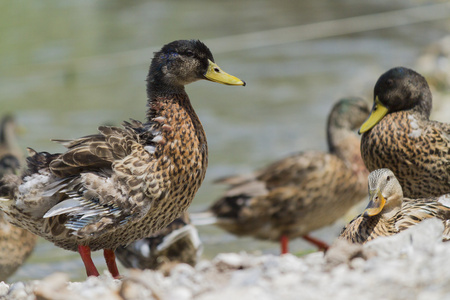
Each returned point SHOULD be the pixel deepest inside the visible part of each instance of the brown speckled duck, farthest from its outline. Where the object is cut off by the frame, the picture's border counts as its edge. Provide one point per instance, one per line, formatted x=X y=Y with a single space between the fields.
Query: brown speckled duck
x=16 y=244
x=300 y=193
x=177 y=243
x=399 y=135
x=122 y=184
x=389 y=213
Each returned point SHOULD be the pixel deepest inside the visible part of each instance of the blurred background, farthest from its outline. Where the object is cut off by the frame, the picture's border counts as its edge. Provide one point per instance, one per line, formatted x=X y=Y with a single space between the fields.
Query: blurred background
x=68 y=66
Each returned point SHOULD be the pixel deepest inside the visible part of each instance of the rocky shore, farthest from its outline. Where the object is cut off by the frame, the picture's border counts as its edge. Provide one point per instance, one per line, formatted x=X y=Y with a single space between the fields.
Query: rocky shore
x=410 y=265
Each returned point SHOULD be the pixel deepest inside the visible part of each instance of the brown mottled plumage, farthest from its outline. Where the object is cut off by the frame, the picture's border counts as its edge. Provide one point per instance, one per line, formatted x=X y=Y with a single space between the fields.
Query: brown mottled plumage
x=177 y=243
x=389 y=213
x=16 y=244
x=300 y=193
x=123 y=184
x=399 y=135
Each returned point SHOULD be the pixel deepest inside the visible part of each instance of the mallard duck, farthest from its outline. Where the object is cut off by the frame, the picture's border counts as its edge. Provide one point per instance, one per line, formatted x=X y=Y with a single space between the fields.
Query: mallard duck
x=9 y=147
x=399 y=135
x=300 y=193
x=389 y=213
x=177 y=243
x=122 y=184
x=16 y=244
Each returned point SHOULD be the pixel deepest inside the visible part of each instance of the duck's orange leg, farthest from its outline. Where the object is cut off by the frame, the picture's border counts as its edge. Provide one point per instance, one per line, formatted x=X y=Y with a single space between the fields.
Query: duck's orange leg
x=320 y=244
x=110 y=259
x=85 y=253
x=284 y=240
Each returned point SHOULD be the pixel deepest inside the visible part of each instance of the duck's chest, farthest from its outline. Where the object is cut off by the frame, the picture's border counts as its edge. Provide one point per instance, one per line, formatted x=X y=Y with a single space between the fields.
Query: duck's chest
x=184 y=153
x=395 y=141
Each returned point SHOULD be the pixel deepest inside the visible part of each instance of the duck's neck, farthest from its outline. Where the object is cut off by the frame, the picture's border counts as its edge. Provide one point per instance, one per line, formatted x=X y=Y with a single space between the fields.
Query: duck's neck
x=394 y=202
x=389 y=212
x=160 y=100
x=423 y=109
x=174 y=110
x=8 y=138
x=345 y=144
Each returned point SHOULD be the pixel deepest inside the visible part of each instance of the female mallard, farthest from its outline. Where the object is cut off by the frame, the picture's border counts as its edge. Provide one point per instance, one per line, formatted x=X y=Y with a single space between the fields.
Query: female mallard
x=389 y=213
x=123 y=184
x=16 y=244
x=300 y=193
x=399 y=135
x=177 y=243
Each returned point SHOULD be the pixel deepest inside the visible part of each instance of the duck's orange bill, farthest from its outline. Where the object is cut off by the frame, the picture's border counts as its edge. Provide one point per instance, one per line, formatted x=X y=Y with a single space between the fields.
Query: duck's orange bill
x=375 y=205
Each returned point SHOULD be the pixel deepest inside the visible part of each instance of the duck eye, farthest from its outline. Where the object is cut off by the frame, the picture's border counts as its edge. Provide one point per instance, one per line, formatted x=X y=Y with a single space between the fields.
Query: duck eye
x=389 y=82
x=388 y=178
x=189 y=53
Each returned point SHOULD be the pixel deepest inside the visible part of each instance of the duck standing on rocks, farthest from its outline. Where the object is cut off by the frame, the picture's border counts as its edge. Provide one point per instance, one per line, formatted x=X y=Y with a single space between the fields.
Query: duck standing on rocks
x=389 y=213
x=177 y=243
x=300 y=193
x=16 y=244
x=123 y=184
x=399 y=135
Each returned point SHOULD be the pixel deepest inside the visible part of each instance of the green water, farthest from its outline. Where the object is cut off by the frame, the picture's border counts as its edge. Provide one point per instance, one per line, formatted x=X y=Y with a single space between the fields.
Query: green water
x=68 y=66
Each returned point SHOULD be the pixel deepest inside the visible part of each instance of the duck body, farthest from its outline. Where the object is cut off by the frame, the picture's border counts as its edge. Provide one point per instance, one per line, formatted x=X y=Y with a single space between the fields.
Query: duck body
x=16 y=244
x=177 y=243
x=123 y=184
x=404 y=140
x=362 y=229
x=303 y=192
x=291 y=198
x=115 y=199
x=406 y=212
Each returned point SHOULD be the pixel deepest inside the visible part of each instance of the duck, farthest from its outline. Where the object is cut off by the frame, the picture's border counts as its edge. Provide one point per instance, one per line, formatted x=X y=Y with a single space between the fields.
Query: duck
x=300 y=193
x=124 y=183
x=399 y=135
x=389 y=212
x=179 y=242
x=9 y=146
x=16 y=244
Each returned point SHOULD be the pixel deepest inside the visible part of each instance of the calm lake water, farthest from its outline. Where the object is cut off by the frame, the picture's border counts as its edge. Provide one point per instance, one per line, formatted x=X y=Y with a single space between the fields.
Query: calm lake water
x=69 y=66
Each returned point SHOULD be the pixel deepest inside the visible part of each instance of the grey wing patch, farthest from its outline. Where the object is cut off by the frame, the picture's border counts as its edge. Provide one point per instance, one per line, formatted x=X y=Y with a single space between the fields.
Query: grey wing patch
x=57 y=186
x=83 y=212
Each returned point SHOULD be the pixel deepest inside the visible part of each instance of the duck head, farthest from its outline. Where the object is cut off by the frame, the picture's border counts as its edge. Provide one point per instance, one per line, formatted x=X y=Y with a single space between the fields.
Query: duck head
x=185 y=61
x=385 y=193
x=399 y=89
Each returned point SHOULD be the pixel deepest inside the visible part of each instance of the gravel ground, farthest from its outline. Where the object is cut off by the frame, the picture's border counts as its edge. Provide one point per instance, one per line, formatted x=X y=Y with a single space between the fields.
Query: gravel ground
x=410 y=265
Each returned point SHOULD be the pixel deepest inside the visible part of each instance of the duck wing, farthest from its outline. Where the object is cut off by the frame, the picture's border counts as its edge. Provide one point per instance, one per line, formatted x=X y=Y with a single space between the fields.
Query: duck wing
x=97 y=178
x=416 y=210
x=99 y=151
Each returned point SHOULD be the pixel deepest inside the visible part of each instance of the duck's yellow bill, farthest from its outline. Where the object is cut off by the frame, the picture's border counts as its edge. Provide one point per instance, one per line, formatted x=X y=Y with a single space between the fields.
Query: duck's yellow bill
x=215 y=73
x=375 y=205
x=377 y=113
